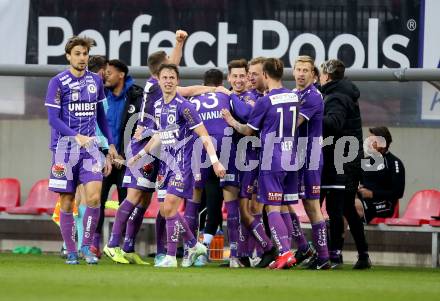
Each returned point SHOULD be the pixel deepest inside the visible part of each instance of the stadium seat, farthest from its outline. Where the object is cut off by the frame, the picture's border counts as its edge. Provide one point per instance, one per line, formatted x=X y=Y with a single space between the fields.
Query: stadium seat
x=435 y=223
x=114 y=195
x=9 y=193
x=153 y=208
x=421 y=207
x=381 y=220
x=40 y=200
x=224 y=212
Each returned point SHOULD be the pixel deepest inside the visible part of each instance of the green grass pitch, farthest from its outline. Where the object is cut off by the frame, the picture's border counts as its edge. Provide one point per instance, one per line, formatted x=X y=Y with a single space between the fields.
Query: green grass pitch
x=46 y=277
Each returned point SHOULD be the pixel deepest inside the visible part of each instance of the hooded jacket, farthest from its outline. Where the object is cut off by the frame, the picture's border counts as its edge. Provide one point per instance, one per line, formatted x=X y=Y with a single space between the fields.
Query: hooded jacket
x=342 y=118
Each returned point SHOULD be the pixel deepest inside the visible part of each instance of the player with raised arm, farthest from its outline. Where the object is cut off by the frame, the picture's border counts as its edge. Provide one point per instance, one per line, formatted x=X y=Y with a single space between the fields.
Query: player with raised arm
x=74 y=104
x=275 y=117
x=176 y=121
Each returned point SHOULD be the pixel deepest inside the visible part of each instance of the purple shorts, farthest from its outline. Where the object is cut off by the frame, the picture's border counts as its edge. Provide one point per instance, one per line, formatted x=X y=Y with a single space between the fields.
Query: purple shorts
x=309 y=184
x=71 y=169
x=232 y=175
x=249 y=183
x=278 y=188
x=180 y=184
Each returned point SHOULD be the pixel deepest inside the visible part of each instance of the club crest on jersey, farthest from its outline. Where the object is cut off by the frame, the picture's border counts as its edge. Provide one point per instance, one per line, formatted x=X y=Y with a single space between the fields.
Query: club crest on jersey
x=91 y=88
x=59 y=170
x=75 y=95
x=171 y=119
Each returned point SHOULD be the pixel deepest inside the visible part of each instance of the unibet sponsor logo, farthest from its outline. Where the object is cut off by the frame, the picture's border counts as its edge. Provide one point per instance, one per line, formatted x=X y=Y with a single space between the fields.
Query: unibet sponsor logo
x=83 y=109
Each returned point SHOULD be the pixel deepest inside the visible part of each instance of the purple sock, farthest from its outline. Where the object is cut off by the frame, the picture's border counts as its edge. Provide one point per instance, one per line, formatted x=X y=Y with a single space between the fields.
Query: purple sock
x=298 y=235
x=188 y=237
x=97 y=240
x=90 y=220
x=319 y=231
x=122 y=215
x=260 y=235
x=192 y=215
x=258 y=248
x=134 y=224
x=243 y=241
x=161 y=234
x=279 y=231
x=173 y=229
x=233 y=223
x=67 y=227
x=289 y=225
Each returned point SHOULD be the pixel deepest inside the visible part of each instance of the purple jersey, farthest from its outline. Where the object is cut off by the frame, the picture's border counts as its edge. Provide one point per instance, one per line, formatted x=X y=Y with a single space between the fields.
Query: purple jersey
x=256 y=93
x=174 y=123
x=275 y=117
x=152 y=93
x=77 y=98
x=312 y=109
x=210 y=105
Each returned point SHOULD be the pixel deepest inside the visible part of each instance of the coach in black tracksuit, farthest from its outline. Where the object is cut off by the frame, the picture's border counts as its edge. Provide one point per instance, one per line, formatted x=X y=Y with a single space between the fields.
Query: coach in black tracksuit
x=340 y=180
x=383 y=181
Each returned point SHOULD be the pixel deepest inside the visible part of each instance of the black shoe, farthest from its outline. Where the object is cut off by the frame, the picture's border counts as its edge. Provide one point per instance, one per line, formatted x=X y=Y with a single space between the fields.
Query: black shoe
x=224 y=265
x=315 y=264
x=363 y=263
x=305 y=256
x=245 y=261
x=336 y=262
x=267 y=258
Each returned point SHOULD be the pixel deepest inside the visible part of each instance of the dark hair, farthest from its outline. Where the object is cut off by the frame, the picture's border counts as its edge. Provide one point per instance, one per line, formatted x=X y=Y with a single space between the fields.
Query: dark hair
x=213 y=77
x=120 y=65
x=382 y=131
x=240 y=63
x=155 y=60
x=334 y=68
x=169 y=66
x=97 y=62
x=81 y=41
x=274 y=68
x=316 y=71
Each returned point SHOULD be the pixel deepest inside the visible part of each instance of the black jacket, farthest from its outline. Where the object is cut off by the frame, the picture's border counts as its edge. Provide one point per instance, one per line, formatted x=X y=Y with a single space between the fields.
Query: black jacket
x=342 y=118
x=133 y=104
x=387 y=180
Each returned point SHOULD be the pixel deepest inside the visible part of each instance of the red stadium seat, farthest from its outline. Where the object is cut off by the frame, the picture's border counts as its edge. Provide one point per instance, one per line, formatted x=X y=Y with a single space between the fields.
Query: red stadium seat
x=9 y=193
x=110 y=212
x=435 y=223
x=224 y=212
x=381 y=220
x=40 y=200
x=153 y=208
x=421 y=207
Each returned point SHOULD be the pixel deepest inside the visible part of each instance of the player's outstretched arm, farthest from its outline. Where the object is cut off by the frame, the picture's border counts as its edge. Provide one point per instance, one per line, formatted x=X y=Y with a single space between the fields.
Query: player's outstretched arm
x=219 y=169
x=194 y=90
x=243 y=129
x=176 y=54
x=151 y=147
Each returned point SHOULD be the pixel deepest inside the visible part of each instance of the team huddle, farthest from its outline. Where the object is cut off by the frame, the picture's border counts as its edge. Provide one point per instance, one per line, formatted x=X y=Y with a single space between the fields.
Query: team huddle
x=258 y=142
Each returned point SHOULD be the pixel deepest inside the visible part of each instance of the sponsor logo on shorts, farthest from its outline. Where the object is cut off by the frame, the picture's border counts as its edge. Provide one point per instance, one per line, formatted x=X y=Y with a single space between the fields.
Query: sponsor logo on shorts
x=250 y=189
x=291 y=197
x=198 y=177
x=229 y=178
x=316 y=189
x=177 y=184
x=275 y=196
x=161 y=193
x=59 y=170
x=126 y=179
x=60 y=184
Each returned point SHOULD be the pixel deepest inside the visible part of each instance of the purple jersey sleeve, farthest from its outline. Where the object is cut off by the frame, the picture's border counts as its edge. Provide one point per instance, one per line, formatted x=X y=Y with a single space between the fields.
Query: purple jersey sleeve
x=256 y=118
x=240 y=109
x=311 y=106
x=190 y=114
x=53 y=96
